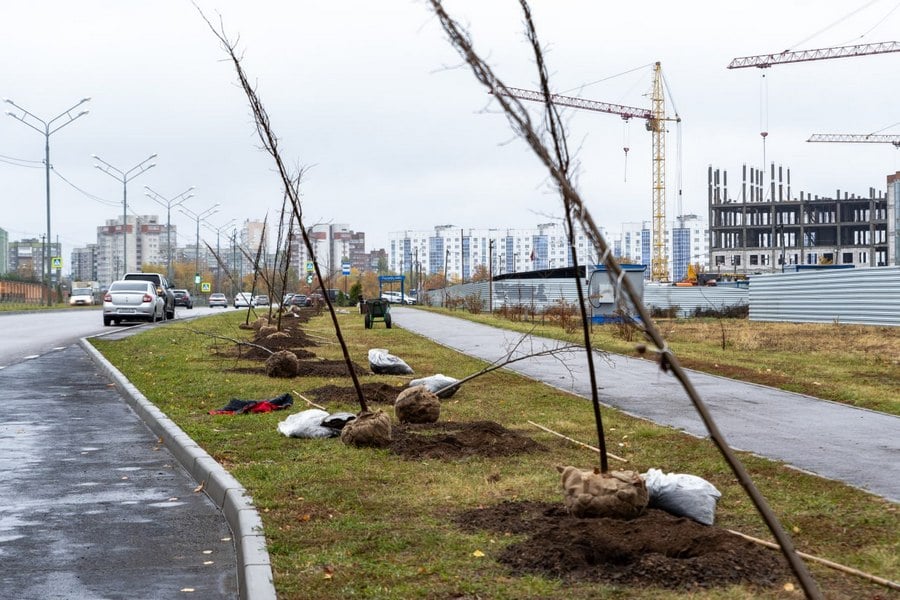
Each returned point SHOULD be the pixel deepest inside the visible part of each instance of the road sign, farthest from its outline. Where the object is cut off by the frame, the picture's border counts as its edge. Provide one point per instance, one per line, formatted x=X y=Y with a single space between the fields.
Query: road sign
x=205 y=287
x=197 y=278
x=345 y=268
x=309 y=267
x=309 y=279
x=56 y=262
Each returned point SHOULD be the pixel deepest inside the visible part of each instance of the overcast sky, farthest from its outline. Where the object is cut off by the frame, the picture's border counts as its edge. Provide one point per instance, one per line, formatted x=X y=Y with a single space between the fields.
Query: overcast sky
x=371 y=98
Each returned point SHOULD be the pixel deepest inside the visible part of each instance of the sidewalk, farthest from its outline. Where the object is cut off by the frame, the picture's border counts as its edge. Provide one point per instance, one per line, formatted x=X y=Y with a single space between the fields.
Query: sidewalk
x=859 y=447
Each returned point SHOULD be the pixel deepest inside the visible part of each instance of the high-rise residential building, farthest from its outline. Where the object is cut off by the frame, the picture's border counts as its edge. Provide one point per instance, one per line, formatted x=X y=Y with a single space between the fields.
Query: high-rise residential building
x=252 y=235
x=4 y=252
x=459 y=252
x=84 y=263
x=333 y=244
x=893 y=218
x=763 y=228
x=27 y=258
x=145 y=238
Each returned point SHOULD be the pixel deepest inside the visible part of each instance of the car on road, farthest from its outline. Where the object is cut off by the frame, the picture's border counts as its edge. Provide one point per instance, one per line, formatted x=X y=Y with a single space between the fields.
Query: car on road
x=183 y=298
x=163 y=288
x=81 y=297
x=261 y=300
x=133 y=300
x=298 y=300
x=243 y=300
x=218 y=299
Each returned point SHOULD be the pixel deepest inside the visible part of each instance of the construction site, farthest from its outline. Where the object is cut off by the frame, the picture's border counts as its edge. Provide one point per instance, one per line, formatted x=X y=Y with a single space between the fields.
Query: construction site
x=756 y=227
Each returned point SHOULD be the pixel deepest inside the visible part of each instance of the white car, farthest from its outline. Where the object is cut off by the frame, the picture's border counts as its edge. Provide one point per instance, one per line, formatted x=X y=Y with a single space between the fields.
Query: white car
x=243 y=300
x=133 y=300
x=81 y=297
x=397 y=298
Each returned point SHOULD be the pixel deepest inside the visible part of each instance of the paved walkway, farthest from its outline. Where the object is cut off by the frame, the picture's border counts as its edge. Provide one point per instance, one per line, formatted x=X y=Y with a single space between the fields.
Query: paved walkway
x=836 y=441
x=91 y=504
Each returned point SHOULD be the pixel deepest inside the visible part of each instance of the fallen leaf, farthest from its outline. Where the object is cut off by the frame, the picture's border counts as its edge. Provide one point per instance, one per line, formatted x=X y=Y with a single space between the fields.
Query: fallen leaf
x=789 y=587
x=478 y=554
x=200 y=487
x=328 y=571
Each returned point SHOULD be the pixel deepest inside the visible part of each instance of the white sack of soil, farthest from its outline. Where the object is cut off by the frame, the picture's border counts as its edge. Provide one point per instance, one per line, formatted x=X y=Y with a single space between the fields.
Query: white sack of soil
x=307 y=424
x=437 y=384
x=683 y=495
x=384 y=363
x=616 y=494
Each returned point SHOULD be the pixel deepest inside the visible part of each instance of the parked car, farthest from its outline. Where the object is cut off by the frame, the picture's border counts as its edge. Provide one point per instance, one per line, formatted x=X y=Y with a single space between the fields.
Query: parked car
x=243 y=300
x=397 y=298
x=133 y=300
x=81 y=297
x=163 y=288
x=261 y=300
x=218 y=300
x=183 y=298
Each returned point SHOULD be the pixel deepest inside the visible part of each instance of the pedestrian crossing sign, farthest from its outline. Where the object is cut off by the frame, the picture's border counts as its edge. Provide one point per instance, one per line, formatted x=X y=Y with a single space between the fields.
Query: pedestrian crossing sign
x=56 y=262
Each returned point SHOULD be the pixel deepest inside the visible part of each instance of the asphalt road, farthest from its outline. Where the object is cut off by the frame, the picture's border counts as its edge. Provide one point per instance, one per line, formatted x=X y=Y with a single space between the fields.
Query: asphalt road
x=91 y=505
x=859 y=447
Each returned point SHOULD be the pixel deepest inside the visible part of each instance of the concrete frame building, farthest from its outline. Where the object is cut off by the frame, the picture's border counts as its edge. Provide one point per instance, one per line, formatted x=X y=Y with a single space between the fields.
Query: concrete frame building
x=84 y=263
x=765 y=229
x=27 y=258
x=4 y=252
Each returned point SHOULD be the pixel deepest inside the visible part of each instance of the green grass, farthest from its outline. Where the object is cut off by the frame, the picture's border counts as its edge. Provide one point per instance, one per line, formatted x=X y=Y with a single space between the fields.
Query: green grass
x=345 y=522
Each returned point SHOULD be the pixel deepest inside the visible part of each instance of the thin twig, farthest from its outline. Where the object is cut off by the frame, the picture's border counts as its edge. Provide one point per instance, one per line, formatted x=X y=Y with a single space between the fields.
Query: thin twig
x=565 y=437
x=308 y=401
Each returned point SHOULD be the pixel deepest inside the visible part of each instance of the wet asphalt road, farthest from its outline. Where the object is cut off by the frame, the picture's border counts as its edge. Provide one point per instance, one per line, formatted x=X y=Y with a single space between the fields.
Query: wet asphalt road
x=836 y=441
x=91 y=505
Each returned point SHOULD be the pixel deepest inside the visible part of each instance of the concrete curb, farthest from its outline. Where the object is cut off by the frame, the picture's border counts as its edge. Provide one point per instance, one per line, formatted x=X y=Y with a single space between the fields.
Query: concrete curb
x=255 y=580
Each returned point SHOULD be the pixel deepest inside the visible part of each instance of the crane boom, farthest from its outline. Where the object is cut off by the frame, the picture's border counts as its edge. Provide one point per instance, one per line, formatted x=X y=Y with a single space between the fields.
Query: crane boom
x=655 y=117
x=764 y=61
x=855 y=138
x=626 y=112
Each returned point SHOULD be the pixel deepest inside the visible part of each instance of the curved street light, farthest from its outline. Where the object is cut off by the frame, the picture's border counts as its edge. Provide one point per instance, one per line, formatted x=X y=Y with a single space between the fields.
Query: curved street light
x=124 y=177
x=198 y=217
x=47 y=128
x=169 y=204
x=218 y=231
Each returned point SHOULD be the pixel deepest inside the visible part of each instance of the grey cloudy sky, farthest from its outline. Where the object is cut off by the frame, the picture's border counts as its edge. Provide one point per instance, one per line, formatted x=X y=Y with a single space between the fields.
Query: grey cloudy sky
x=396 y=134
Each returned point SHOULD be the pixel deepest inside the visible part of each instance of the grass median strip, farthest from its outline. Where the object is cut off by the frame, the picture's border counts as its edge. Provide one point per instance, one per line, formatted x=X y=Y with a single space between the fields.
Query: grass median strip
x=368 y=523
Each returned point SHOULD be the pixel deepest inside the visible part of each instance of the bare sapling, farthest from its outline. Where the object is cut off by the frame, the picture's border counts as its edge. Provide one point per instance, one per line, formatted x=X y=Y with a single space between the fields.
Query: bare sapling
x=519 y=120
x=290 y=185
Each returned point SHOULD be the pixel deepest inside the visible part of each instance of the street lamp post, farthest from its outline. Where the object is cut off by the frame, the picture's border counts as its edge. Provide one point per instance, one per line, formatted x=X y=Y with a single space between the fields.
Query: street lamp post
x=198 y=217
x=169 y=204
x=47 y=128
x=219 y=261
x=124 y=177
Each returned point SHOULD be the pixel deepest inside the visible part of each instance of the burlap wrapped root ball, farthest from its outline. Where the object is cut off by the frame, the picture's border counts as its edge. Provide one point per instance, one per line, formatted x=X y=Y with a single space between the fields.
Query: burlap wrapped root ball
x=259 y=323
x=265 y=331
x=368 y=430
x=282 y=364
x=616 y=494
x=417 y=405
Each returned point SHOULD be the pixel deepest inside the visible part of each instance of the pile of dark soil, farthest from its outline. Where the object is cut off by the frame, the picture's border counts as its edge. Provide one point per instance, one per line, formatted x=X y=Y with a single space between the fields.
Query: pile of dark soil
x=374 y=393
x=656 y=549
x=451 y=441
x=310 y=368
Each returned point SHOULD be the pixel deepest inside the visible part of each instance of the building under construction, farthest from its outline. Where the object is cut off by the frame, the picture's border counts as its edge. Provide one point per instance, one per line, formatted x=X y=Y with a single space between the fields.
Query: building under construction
x=763 y=228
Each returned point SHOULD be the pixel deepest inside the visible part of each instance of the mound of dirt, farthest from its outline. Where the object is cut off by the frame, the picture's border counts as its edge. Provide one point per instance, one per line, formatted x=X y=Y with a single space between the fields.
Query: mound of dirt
x=656 y=549
x=374 y=393
x=451 y=441
x=328 y=368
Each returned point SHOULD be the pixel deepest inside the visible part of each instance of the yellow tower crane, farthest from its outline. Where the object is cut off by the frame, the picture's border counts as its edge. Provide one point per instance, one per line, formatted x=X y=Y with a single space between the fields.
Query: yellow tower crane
x=655 y=118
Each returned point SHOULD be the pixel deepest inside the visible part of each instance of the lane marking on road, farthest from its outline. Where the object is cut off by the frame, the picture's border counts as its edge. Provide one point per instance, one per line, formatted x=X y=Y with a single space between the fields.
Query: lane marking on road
x=29 y=357
x=60 y=347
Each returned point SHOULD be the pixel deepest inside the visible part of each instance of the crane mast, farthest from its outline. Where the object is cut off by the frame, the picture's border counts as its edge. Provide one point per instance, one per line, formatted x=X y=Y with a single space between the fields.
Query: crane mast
x=764 y=61
x=655 y=118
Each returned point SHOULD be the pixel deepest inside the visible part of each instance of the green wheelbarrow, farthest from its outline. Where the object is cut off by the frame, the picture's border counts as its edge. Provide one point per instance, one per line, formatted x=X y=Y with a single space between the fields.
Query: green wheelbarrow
x=378 y=310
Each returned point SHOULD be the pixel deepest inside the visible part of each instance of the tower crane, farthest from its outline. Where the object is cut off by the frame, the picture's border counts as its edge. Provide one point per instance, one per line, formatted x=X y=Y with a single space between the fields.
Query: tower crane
x=655 y=118
x=764 y=61
x=856 y=138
